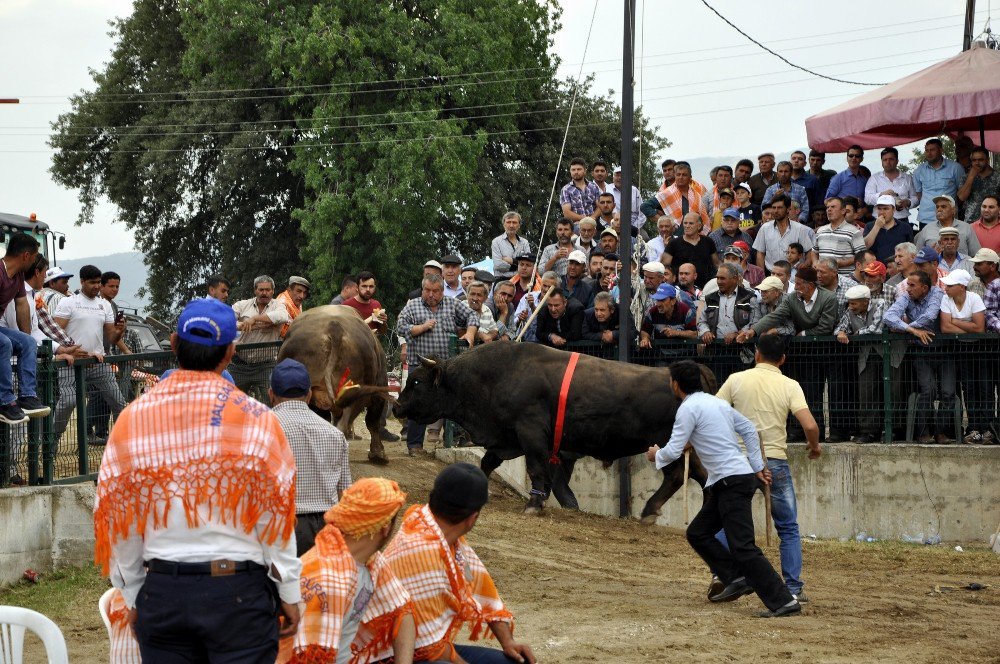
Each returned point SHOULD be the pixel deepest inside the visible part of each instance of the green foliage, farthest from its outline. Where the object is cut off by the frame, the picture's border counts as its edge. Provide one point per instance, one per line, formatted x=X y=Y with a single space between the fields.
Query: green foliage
x=948 y=146
x=326 y=138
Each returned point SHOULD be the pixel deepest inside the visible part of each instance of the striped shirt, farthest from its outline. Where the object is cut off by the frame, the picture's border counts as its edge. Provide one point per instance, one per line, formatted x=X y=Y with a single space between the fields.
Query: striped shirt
x=449 y=585
x=844 y=241
x=320 y=450
x=450 y=314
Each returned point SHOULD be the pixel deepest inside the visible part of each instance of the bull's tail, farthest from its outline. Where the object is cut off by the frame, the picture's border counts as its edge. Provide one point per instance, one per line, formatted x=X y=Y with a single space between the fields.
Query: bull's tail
x=355 y=392
x=709 y=383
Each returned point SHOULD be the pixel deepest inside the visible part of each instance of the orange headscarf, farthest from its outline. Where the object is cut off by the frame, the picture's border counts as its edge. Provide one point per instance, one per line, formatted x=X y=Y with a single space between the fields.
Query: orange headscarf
x=366 y=507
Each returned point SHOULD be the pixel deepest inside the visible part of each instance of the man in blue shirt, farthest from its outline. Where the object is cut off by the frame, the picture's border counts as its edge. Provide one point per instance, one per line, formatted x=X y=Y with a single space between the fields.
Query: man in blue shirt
x=711 y=425
x=851 y=181
x=916 y=312
x=935 y=177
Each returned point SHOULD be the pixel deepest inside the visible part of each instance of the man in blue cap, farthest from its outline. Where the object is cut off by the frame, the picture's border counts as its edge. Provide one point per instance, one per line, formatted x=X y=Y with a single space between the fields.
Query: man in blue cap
x=320 y=449
x=668 y=318
x=196 y=508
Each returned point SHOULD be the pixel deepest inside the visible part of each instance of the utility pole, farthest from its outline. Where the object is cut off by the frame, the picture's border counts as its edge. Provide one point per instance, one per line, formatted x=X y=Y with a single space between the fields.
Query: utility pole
x=970 y=20
x=625 y=331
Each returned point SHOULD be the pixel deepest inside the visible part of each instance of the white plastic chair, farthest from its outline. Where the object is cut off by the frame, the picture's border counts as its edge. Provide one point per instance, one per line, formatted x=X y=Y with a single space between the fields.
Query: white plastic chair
x=14 y=620
x=103 y=605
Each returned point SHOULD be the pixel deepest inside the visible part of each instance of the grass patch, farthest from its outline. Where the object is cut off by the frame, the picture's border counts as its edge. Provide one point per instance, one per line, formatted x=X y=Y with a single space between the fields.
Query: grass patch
x=64 y=595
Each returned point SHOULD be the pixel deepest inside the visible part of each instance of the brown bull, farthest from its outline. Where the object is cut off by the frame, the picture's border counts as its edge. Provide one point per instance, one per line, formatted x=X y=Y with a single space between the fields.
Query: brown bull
x=336 y=345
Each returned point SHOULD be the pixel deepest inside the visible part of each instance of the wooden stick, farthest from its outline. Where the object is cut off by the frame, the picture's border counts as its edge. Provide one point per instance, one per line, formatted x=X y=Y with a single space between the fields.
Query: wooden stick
x=687 y=474
x=538 y=307
x=767 y=512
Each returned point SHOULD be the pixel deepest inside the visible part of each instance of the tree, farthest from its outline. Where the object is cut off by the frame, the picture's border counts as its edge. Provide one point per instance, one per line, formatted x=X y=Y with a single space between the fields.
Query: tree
x=325 y=138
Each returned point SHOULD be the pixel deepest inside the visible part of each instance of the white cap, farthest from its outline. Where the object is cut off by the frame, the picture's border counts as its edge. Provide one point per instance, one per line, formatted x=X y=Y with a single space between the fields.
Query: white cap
x=886 y=199
x=56 y=273
x=609 y=231
x=984 y=255
x=956 y=278
x=771 y=283
x=578 y=257
x=945 y=197
x=618 y=169
x=654 y=266
x=434 y=263
x=858 y=293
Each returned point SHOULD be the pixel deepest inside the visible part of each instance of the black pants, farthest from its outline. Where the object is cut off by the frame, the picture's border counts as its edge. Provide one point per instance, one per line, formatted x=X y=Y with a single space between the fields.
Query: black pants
x=307 y=526
x=204 y=618
x=727 y=507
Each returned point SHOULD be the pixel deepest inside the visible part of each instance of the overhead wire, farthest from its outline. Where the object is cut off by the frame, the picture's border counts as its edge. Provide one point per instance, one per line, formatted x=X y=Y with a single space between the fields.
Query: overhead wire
x=783 y=58
x=136 y=134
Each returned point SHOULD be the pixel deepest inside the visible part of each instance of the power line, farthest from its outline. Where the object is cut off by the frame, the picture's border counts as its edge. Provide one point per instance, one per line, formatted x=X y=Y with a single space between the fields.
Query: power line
x=85 y=130
x=423 y=138
x=264 y=130
x=134 y=95
x=781 y=57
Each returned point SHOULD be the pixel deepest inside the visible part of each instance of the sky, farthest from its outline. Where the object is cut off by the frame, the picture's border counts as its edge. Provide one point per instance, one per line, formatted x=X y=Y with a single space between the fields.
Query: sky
x=710 y=90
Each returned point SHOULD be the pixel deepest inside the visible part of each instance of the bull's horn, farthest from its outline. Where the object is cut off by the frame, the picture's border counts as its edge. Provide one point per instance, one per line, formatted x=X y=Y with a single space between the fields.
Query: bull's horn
x=427 y=362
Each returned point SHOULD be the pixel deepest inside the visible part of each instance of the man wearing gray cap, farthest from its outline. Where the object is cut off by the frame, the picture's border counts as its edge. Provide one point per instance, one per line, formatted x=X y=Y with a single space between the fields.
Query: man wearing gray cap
x=322 y=471
x=944 y=209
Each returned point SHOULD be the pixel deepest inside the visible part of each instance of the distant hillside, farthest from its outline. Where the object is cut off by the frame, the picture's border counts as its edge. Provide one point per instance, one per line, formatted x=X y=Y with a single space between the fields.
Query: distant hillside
x=129 y=265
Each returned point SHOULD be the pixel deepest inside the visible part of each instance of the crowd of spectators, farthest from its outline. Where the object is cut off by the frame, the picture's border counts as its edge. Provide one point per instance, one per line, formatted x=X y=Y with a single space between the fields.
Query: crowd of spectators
x=791 y=249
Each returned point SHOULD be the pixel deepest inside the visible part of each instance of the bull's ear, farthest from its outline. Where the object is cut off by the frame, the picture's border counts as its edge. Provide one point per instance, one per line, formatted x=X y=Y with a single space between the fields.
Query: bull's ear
x=438 y=373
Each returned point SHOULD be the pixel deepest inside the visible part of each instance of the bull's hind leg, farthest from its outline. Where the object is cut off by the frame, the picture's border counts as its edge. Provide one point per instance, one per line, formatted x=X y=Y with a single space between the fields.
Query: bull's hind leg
x=673 y=479
x=373 y=421
x=561 y=475
x=533 y=438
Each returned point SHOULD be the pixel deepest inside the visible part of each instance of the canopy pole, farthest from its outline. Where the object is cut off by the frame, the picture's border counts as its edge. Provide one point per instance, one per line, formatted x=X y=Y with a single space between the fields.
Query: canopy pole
x=970 y=18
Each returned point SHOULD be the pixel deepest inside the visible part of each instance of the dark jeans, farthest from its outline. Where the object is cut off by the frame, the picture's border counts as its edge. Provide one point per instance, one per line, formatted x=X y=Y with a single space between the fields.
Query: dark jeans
x=481 y=655
x=979 y=379
x=203 y=618
x=307 y=526
x=934 y=373
x=869 y=402
x=727 y=507
x=414 y=434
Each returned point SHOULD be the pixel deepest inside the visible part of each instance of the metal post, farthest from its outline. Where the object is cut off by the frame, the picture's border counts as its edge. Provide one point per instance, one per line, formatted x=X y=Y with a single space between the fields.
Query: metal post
x=970 y=20
x=83 y=460
x=626 y=332
x=48 y=373
x=886 y=388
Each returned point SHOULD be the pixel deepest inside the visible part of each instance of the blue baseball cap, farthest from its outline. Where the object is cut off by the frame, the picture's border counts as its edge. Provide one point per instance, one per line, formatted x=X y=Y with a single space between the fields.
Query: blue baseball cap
x=665 y=291
x=290 y=378
x=208 y=322
x=926 y=255
x=732 y=212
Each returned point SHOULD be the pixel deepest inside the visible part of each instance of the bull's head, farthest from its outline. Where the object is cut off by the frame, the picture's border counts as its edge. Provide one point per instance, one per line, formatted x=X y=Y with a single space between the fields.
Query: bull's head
x=423 y=398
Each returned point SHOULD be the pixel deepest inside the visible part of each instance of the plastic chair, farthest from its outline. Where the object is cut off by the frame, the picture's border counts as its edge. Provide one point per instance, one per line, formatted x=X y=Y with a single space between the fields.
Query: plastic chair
x=103 y=605
x=14 y=620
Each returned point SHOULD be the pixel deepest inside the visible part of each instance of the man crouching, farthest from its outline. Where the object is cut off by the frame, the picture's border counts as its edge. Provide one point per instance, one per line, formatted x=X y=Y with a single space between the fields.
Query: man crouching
x=355 y=605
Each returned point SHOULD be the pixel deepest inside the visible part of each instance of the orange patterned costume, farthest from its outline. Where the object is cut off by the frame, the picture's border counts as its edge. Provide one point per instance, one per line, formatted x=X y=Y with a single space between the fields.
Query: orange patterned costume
x=449 y=586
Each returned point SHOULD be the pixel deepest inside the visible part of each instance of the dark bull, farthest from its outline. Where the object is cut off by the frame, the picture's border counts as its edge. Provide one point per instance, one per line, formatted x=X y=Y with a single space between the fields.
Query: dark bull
x=506 y=395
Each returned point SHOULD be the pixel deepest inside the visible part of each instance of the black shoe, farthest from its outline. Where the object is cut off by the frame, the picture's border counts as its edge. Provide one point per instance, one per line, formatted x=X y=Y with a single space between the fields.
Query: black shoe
x=388 y=436
x=793 y=608
x=733 y=591
x=11 y=413
x=17 y=480
x=864 y=439
x=97 y=441
x=801 y=597
x=33 y=407
x=715 y=587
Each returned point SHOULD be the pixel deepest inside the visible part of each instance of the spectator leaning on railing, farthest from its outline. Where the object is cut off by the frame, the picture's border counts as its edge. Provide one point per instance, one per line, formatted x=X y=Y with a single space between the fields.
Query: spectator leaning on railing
x=864 y=316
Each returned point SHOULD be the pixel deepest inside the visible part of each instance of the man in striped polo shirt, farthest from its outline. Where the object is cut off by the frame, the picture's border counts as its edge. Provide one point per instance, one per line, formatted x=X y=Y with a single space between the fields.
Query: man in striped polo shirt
x=838 y=239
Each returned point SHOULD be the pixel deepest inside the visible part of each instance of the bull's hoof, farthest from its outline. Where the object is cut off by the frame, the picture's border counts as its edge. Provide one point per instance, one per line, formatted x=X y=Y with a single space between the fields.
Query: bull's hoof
x=378 y=459
x=649 y=519
x=532 y=510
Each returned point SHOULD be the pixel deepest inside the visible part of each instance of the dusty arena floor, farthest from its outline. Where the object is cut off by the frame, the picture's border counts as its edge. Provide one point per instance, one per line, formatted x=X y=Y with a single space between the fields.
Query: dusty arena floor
x=594 y=589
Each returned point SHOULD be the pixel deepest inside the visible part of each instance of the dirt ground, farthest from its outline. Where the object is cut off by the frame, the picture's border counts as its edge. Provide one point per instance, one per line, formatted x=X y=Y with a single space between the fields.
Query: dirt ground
x=594 y=589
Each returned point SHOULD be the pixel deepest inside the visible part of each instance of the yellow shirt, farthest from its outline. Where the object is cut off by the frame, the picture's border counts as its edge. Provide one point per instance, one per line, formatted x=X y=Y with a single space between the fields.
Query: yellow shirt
x=765 y=396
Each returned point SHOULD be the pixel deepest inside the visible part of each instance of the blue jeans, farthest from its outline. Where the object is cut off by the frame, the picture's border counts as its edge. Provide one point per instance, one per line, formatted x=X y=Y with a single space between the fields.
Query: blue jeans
x=480 y=655
x=17 y=343
x=785 y=515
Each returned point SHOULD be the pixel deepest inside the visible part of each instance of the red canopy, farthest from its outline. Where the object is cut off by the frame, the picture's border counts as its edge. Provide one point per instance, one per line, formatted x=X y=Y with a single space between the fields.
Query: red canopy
x=961 y=94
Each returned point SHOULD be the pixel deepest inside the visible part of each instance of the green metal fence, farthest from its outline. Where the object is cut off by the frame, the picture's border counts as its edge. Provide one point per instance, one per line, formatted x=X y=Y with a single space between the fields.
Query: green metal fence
x=66 y=446
x=902 y=391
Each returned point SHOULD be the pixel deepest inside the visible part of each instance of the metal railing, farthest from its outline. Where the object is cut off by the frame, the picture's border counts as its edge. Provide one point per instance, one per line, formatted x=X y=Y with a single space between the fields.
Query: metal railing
x=66 y=446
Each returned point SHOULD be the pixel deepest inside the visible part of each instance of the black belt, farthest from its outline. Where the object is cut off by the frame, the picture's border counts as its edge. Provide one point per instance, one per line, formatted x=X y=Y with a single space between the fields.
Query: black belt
x=213 y=568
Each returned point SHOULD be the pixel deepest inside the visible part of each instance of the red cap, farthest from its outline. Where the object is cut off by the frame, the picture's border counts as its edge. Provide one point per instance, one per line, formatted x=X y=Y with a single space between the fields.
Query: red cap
x=875 y=268
x=740 y=244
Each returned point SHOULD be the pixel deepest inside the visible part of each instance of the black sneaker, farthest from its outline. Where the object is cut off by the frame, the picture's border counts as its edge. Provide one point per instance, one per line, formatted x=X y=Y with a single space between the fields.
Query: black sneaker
x=793 y=608
x=33 y=407
x=11 y=413
x=388 y=436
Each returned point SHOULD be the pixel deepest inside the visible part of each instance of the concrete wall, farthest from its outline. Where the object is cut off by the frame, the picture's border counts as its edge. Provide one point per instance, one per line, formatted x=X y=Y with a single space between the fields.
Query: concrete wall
x=45 y=528
x=890 y=492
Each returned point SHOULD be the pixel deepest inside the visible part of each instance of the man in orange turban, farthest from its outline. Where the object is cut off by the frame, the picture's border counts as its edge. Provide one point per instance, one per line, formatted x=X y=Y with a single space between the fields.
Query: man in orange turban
x=355 y=605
